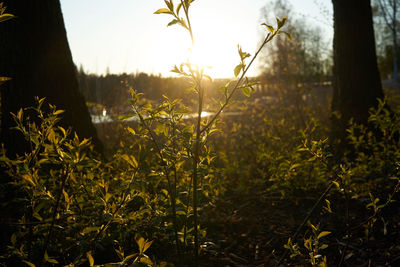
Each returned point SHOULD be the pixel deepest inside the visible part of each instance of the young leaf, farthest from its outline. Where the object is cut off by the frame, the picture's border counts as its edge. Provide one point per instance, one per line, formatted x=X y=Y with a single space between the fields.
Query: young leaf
x=4 y=79
x=147 y=245
x=246 y=91
x=5 y=17
x=90 y=258
x=130 y=159
x=322 y=234
x=281 y=22
x=287 y=35
x=237 y=70
x=178 y=8
x=131 y=130
x=141 y=243
x=172 y=22
x=270 y=28
x=163 y=11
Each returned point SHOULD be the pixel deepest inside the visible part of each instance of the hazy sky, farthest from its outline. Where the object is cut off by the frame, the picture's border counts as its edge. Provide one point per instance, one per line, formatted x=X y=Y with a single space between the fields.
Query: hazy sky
x=125 y=35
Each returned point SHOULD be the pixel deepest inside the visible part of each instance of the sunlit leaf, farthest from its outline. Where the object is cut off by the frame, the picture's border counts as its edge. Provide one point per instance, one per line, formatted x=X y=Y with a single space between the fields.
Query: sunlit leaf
x=124 y=117
x=29 y=178
x=270 y=28
x=237 y=70
x=65 y=196
x=178 y=8
x=322 y=234
x=173 y=22
x=287 y=35
x=130 y=159
x=146 y=260
x=147 y=245
x=163 y=11
x=141 y=242
x=281 y=22
x=246 y=91
x=58 y=112
x=4 y=79
x=90 y=258
x=323 y=246
x=90 y=229
x=131 y=130
x=5 y=17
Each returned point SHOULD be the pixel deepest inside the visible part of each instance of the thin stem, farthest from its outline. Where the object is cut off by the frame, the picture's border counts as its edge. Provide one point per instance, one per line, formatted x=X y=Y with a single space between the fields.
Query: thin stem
x=174 y=195
x=186 y=9
x=347 y=224
x=53 y=219
x=316 y=204
x=195 y=174
x=166 y=171
x=237 y=85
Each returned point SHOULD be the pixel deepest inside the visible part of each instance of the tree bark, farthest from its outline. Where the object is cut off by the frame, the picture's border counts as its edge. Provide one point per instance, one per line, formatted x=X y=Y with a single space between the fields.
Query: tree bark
x=357 y=83
x=34 y=52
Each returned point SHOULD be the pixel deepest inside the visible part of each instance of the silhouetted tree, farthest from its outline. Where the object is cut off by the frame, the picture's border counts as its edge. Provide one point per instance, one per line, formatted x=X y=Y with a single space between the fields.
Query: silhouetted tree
x=357 y=83
x=34 y=52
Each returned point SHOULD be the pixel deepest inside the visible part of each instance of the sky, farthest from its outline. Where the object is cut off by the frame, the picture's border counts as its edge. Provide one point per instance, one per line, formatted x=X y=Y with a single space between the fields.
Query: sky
x=125 y=36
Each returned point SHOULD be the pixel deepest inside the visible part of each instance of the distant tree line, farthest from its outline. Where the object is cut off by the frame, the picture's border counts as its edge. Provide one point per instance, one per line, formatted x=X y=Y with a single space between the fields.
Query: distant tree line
x=111 y=91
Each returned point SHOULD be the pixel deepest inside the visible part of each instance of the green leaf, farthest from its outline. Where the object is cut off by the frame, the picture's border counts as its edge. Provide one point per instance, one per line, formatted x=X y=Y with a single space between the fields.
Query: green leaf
x=287 y=35
x=336 y=183
x=270 y=28
x=5 y=17
x=141 y=242
x=172 y=22
x=124 y=117
x=65 y=196
x=131 y=130
x=90 y=229
x=323 y=246
x=161 y=129
x=163 y=11
x=178 y=8
x=4 y=79
x=246 y=91
x=58 y=112
x=322 y=234
x=237 y=70
x=146 y=260
x=29 y=179
x=130 y=159
x=147 y=245
x=328 y=206
x=90 y=258
x=170 y=4
x=281 y=22
x=48 y=259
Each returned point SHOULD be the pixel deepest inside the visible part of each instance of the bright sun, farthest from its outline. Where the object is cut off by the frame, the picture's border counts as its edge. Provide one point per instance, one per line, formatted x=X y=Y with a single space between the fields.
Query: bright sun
x=215 y=48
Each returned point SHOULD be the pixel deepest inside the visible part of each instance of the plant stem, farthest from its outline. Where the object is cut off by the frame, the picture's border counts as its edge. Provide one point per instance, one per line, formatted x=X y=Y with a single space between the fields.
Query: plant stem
x=172 y=193
x=46 y=243
x=195 y=175
x=267 y=39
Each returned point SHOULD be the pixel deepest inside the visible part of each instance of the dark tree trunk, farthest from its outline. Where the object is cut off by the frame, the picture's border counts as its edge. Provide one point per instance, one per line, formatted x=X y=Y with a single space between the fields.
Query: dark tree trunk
x=34 y=52
x=357 y=83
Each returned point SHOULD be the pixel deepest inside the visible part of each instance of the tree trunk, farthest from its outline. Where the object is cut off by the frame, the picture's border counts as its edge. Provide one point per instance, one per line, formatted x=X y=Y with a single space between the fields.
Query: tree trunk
x=357 y=83
x=34 y=52
x=395 y=60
